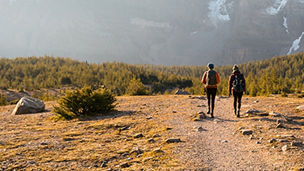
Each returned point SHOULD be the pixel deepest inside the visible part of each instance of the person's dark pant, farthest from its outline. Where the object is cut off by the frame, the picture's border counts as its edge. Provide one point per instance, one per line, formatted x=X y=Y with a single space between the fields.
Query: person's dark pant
x=237 y=100
x=211 y=92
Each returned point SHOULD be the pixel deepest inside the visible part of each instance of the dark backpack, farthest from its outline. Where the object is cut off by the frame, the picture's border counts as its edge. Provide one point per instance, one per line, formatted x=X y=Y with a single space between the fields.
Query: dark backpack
x=237 y=84
x=211 y=77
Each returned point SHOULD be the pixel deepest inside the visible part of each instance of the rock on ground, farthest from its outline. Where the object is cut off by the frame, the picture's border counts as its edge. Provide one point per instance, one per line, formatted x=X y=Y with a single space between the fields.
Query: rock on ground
x=28 y=105
x=285 y=148
x=182 y=92
x=173 y=140
x=274 y=114
x=246 y=132
x=139 y=135
x=301 y=108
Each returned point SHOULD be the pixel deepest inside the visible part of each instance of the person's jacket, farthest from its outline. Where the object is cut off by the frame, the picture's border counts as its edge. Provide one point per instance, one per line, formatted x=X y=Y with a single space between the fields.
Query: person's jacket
x=204 y=80
x=232 y=77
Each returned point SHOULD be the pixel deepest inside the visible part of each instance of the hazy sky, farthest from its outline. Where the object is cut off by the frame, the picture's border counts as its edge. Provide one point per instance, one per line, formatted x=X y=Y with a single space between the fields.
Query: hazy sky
x=139 y=31
x=94 y=29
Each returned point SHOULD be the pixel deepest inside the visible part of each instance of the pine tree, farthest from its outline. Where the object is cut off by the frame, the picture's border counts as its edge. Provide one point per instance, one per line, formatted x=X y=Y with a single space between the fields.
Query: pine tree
x=136 y=87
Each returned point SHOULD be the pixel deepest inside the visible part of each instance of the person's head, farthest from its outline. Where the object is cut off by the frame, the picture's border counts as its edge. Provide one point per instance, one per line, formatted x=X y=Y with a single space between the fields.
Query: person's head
x=210 y=66
x=235 y=67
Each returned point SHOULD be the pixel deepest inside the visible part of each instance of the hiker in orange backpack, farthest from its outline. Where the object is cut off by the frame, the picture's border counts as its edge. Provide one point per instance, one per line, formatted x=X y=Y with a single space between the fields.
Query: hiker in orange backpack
x=211 y=78
x=238 y=85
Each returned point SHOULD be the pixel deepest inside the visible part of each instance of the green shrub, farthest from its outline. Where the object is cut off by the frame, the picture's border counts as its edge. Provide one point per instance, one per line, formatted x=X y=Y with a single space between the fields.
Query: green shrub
x=284 y=94
x=46 y=96
x=136 y=87
x=85 y=102
x=3 y=100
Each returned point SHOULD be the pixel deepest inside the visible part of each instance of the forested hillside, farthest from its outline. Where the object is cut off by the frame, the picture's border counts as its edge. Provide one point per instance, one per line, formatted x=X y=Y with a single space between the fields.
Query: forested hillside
x=277 y=75
x=49 y=72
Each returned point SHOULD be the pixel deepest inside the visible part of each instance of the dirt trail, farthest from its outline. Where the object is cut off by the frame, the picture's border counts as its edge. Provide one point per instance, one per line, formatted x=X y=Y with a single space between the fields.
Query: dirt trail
x=218 y=146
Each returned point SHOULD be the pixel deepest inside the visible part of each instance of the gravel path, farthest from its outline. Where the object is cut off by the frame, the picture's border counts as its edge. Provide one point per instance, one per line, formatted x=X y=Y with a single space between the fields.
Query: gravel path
x=218 y=146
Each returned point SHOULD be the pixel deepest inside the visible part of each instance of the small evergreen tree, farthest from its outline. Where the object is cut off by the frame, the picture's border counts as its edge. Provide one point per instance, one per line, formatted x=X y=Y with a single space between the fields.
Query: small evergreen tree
x=136 y=87
x=85 y=102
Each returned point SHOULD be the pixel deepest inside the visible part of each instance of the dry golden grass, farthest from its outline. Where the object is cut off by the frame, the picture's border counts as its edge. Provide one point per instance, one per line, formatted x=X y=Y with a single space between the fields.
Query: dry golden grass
x=39 y=142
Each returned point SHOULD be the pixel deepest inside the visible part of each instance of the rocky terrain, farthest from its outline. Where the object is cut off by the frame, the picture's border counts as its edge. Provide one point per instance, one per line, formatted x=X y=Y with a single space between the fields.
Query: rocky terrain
x=159 y=133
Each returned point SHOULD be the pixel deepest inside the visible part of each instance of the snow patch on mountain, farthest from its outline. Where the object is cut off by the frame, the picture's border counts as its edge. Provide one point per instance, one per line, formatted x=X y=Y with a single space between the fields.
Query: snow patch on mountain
x=149 y=23
x=218 y=11
x=276 y=8
x=296 y=44
x=285 y=24
x=193 y=33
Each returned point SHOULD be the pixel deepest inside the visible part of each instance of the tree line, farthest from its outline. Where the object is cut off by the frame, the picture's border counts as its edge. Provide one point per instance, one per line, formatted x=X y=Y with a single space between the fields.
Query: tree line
x=278 y=75
x=34 y=73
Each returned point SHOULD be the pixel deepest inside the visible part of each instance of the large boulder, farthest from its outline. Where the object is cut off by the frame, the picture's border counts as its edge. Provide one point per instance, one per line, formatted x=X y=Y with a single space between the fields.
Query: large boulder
x=28 y=105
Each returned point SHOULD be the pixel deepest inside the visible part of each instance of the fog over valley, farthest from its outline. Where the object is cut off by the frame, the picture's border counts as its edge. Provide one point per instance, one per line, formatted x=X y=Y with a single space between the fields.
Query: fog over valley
x=169 y=32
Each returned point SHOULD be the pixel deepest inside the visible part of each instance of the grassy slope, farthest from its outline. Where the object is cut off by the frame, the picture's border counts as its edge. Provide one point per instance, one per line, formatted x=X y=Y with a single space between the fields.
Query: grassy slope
x=37 y=142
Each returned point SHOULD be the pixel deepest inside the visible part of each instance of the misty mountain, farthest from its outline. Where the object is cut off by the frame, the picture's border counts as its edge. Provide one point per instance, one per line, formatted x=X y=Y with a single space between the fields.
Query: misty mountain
x=170 y=32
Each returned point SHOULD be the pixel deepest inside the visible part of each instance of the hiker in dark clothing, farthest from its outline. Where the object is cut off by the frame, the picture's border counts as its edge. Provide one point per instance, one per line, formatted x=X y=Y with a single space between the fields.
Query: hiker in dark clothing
x=238 y=85
x=211 y=79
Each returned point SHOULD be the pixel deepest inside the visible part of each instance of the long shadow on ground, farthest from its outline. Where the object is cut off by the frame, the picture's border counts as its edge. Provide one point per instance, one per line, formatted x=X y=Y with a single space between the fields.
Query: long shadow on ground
x=218 y=119
x=114 y=114
x=226 y=120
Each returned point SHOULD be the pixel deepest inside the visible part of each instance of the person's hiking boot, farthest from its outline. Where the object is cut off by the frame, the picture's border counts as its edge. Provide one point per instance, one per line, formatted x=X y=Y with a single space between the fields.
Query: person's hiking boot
x=208 y=111
x=212 y=114
x=238 y=113
x=235 y=112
